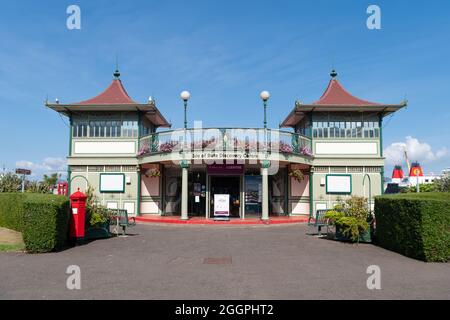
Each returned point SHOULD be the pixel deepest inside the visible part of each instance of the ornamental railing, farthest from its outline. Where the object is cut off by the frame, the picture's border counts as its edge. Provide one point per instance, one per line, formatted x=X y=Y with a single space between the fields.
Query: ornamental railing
x=225 y=139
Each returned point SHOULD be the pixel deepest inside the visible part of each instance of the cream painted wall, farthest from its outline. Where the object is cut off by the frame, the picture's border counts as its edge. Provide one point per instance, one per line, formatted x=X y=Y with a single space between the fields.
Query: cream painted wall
x=149 y=207
x=300 y=208
x=149 y=186
x=300 y=189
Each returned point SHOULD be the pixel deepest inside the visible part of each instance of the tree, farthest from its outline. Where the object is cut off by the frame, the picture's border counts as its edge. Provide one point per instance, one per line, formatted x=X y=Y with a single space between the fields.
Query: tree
x=443 y=184
x=10 y=182
x=51 y=180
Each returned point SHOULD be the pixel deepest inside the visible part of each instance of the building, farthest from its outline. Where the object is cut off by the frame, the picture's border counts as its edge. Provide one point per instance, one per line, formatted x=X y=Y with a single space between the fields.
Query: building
x=334 y=149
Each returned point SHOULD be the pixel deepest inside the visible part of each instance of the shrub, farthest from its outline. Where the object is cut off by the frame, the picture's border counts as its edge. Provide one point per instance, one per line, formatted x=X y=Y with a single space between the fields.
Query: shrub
x=415 y=225
x=11 y=211
x=350 y=218
x=46 y=222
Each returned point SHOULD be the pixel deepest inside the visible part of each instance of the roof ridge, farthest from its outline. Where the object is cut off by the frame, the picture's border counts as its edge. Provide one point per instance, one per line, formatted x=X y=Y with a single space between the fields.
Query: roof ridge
x=336 y=94
x=115 y=93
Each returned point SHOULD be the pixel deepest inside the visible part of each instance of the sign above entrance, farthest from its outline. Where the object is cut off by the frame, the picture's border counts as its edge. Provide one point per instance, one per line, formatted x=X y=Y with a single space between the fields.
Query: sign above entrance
x=232 y=169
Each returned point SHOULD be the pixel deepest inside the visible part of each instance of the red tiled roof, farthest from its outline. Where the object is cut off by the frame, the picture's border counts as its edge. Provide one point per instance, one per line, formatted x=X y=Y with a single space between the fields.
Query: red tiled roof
x=114 y=94
x=335 y=94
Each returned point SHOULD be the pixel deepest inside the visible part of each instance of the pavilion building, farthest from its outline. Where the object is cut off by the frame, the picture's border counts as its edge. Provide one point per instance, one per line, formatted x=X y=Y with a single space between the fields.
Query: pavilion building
x=333 y=150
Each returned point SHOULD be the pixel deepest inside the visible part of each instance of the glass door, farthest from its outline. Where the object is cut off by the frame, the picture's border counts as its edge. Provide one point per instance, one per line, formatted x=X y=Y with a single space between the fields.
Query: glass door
x=253 y=195
x=228 y=185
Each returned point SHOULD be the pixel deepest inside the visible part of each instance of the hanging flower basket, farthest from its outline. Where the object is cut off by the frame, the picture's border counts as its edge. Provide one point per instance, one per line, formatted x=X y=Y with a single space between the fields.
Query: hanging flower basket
x=152 y=173
x=297 y=174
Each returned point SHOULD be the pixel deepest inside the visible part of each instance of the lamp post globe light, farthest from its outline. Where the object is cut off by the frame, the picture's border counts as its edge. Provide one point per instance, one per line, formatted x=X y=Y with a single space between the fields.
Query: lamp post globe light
x=265 y=95
x=185 y=95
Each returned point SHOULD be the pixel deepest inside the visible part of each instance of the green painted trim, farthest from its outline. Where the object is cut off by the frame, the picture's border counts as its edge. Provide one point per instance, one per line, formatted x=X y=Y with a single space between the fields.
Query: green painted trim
x=70 y=154
x=69 y=173
x=80 y=176
x=265 y=164
x=184 y=164
x=311 y=191
x=138 y=209
x=139 y=124
x=70 y=134
x=110 y=174
x=286 y=191
x=380 y=125
x=338 y=175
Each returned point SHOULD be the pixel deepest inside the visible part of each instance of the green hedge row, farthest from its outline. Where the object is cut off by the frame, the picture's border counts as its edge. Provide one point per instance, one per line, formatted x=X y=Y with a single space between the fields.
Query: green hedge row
x=415 y=225
x=43 y=219
x=11 y=211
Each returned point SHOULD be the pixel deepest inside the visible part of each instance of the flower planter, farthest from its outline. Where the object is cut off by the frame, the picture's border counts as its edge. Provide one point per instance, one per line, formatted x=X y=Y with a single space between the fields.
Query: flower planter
x=98 y=232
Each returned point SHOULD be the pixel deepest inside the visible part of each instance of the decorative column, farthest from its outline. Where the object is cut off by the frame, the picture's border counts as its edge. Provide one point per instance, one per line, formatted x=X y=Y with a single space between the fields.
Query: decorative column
x=184 y=189
x=265 y=164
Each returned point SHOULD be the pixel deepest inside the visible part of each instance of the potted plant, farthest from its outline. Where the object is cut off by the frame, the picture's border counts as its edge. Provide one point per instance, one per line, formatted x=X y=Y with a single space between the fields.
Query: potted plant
x=97 y=218
x=352 y=220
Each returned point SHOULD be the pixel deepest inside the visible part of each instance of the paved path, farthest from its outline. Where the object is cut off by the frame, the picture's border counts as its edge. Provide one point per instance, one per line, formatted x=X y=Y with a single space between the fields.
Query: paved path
x=259 y=262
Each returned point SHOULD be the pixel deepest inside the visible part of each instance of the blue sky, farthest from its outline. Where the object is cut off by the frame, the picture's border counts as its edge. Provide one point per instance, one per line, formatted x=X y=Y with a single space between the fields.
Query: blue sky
x=224 y=53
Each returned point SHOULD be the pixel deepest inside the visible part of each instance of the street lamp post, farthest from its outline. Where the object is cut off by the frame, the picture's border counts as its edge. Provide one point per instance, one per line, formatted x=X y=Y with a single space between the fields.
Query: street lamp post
x=185 y=95
x=265 y=95
x=265 y=164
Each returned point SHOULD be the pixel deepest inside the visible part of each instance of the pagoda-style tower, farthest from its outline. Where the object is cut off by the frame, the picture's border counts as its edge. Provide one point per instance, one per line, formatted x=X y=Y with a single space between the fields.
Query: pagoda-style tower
x=103 y=146
x=347 y=143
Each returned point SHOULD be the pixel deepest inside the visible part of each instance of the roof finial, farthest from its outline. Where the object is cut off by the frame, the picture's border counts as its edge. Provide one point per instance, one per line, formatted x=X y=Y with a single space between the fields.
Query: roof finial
x=117 y=73
x=333 y=73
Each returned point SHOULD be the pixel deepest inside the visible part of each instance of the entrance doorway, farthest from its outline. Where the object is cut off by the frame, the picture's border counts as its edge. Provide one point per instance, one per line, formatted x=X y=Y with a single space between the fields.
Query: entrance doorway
x=226 y=185
x=197 y=193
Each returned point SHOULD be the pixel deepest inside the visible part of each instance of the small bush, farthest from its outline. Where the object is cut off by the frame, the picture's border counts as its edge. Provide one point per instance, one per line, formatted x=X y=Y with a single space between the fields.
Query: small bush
x=11 y=211
x=415 y=225
x=46 y=222
x=350 y=218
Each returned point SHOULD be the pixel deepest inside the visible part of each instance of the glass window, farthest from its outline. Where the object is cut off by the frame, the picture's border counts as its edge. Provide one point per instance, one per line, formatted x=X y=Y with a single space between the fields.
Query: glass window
x=108 y=129
x=135 y=128
x=359 y=132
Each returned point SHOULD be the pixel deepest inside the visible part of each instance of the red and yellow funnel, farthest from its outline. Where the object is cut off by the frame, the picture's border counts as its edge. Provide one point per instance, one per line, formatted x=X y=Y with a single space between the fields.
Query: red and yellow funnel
x=416 y=170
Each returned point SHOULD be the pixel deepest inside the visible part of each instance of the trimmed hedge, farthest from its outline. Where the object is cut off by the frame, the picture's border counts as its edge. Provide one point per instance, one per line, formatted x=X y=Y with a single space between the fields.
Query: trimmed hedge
x=43 y=219
x=11 y=211
x=415 y=225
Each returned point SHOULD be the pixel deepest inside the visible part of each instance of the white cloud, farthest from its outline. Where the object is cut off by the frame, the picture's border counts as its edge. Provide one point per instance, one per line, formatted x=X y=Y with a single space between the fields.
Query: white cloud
x=417 y=151
x=48 y=165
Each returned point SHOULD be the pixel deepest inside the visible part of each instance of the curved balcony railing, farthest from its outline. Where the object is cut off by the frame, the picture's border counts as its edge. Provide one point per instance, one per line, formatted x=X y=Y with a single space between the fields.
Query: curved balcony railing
x=225 y=139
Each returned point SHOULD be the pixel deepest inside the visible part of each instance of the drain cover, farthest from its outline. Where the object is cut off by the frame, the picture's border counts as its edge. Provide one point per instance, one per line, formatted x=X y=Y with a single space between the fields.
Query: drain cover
x=219 y=260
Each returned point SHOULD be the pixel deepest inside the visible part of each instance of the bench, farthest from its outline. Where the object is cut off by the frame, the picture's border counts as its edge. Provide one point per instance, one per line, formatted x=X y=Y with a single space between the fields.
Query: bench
x=119 y=218
x=320 y=221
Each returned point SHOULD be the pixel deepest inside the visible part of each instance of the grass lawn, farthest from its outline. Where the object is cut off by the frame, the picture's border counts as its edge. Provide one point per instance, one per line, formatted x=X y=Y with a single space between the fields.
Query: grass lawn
x=5 y=247
x=10 y=240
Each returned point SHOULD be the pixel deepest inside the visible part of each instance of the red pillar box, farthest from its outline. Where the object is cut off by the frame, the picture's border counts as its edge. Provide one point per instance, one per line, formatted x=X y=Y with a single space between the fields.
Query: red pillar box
x=77 y=214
